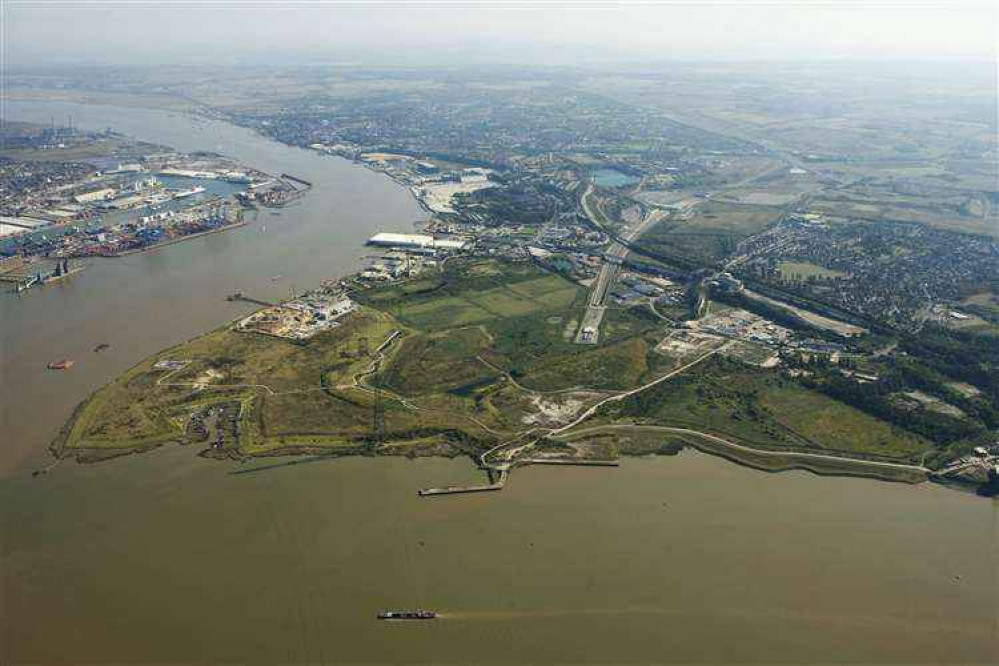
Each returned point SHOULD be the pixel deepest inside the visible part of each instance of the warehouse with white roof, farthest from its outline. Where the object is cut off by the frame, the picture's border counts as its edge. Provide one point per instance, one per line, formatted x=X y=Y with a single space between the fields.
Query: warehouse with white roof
x=416 y=242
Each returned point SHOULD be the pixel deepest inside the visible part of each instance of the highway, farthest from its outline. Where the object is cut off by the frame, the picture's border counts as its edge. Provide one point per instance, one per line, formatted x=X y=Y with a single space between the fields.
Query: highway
x=614 y=256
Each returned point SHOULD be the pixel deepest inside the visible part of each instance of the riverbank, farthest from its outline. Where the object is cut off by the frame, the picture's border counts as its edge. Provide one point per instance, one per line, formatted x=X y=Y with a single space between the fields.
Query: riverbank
x=440 y=402
x=172 y=241
x=769 y=460
x=370 y=166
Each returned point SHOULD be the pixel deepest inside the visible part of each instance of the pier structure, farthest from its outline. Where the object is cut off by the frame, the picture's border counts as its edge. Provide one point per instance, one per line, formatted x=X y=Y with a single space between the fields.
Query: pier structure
x=498 y=484
x=240 y=296
x=500 y=472
x=295 y=179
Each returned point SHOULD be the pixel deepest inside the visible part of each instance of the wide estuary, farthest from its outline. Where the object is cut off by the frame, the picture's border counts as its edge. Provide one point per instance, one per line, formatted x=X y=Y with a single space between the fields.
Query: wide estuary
x=168 y=557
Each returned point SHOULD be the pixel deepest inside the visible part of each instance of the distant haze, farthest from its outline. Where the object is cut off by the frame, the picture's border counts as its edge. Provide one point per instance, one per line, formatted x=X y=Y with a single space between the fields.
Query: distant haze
x=435 y=33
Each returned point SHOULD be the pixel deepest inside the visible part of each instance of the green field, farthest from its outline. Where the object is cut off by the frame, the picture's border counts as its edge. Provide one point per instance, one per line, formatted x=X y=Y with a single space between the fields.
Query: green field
x=147 y=405
x=766 y=411
x=711 y=234
x=987 y=301
x=319 y=395
x=477 y=295
x=802 y=271
x=927 y=211
x=441 y=361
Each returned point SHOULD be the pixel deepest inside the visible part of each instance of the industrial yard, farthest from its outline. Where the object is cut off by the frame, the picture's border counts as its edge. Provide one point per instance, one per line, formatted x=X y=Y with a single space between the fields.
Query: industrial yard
x=119 y=197
x=300 y=318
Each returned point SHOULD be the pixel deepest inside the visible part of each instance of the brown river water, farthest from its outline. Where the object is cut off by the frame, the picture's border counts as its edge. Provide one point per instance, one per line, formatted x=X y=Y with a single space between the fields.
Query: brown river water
x=167 y=557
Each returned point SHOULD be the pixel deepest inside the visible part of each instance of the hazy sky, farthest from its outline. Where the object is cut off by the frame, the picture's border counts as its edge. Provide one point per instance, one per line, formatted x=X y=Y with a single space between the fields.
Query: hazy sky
x=229 y=31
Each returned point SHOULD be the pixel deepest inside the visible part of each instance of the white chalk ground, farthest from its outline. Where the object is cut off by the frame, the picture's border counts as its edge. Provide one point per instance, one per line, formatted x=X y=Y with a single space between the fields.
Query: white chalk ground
x=437 y=196
x=209 y=376
x=552 y=410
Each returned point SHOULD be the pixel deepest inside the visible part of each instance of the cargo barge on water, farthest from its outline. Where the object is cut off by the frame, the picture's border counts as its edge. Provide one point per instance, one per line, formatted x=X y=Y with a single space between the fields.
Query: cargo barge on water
x=418 y=614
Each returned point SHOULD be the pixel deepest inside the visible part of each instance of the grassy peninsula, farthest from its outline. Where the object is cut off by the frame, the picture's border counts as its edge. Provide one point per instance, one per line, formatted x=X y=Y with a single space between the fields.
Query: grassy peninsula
x=476 y=356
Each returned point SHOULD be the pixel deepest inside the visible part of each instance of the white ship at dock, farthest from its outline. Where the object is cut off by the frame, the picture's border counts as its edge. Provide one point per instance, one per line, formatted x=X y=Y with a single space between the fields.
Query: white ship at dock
x=180 y=194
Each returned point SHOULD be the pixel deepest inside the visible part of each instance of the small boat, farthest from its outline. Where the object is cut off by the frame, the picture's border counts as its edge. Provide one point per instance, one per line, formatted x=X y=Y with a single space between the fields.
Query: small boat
x=64 y=364
x=181 y=194
x=276 y=278
x=101 y=347
x=418 y=614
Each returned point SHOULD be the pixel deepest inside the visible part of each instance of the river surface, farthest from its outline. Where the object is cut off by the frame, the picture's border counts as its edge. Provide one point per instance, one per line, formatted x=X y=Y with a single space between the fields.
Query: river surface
x=167 y=557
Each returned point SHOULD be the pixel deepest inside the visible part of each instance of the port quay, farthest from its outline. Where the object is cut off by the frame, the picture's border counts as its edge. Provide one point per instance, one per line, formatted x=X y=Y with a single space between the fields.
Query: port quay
x=160 y=199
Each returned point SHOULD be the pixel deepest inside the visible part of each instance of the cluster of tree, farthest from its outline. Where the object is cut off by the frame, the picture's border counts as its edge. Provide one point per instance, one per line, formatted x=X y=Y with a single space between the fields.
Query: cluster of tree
x=515 y=204
x=907 y=373
x=708 y=387
x=646 y=247
x=812 y=303
x=657 y=269
x=549 y=445
x=646 y=403
x=960 y=355
x=876 y=399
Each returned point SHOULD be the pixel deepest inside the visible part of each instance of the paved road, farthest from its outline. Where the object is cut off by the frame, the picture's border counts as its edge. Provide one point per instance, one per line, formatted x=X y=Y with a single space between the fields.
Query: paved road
x=531 y=437
x=621 y=396
x=614 y=256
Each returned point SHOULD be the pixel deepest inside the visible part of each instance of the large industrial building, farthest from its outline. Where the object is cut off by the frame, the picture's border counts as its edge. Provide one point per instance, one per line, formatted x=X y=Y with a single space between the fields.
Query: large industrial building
x=416 y=242
x=10 y=226
x=102 y=194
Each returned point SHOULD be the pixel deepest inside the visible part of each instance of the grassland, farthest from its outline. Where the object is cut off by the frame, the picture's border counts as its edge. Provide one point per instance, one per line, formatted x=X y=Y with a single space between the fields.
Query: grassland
x=798 y=270
x=766 y=411
x=711 y=234
x=973 y=215
x=435 y=379
x=484 y=293
x=478 y=356
x=148 y=404
x=988 y=301
x=440 y=361
x=657 y=440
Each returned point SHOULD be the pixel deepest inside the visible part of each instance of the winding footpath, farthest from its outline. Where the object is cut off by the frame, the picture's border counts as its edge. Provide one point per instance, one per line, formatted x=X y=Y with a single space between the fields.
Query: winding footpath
x=508 y=458
x=621 y=396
